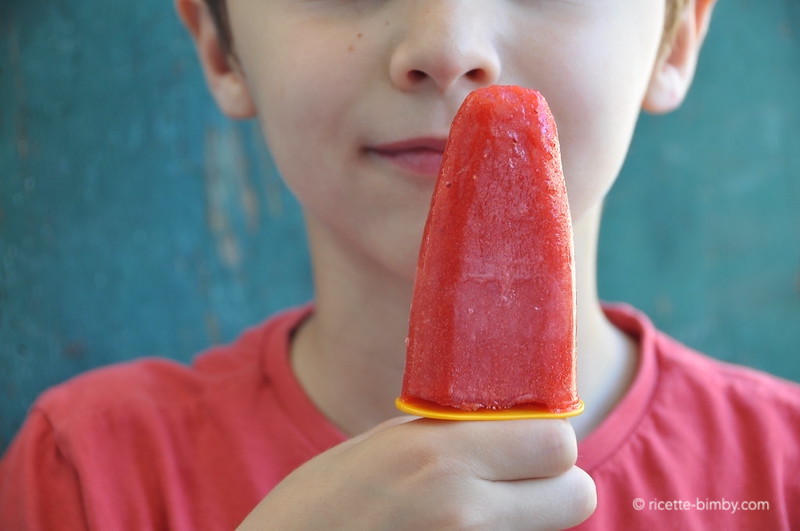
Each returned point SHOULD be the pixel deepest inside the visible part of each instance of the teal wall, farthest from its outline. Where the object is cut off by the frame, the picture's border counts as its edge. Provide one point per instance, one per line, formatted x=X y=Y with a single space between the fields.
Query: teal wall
x=135 y=220
x=703 y=227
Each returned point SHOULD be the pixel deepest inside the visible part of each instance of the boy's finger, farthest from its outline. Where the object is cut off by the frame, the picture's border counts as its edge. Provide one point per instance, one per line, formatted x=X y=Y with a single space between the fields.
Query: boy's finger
x=504 y=450
x=561 y=502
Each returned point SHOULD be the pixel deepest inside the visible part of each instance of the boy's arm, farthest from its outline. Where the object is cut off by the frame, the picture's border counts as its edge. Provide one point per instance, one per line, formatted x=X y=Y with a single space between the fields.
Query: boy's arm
x=39 y=488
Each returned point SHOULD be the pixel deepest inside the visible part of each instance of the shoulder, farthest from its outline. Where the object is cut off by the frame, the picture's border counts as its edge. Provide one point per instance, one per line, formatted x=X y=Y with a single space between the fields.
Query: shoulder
x=684 y=403
x=143 y=383
x=689 y=383
x=138 y=441
x=745 y=422
x=730 y=387
x=150 y=390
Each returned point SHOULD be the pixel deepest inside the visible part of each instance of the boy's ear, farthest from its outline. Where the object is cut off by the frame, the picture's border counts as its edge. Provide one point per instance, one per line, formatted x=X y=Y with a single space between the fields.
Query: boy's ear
x=224 y=77
x=674 y=70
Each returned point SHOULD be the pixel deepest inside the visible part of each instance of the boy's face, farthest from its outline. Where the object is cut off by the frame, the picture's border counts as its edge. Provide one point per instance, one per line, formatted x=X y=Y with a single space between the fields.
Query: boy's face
x=355 y=97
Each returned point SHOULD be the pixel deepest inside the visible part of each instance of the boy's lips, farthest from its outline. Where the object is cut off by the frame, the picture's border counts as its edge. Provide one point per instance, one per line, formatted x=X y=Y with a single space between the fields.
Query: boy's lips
x=422 y=156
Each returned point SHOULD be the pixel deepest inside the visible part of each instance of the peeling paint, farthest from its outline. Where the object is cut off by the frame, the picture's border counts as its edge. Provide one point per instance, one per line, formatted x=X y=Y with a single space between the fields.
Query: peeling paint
x=213 y=328
x=230 y=196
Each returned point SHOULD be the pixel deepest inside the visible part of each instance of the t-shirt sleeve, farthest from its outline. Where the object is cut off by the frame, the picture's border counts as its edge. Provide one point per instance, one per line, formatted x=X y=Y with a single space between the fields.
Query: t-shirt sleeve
x=39 y=487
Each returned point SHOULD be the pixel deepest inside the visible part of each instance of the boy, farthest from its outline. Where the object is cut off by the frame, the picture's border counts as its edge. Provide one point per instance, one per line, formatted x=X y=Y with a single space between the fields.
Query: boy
x=293 y=426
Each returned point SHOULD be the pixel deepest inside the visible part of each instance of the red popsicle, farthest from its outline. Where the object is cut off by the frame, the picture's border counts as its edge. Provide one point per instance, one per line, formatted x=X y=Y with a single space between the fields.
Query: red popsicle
x=492 y=325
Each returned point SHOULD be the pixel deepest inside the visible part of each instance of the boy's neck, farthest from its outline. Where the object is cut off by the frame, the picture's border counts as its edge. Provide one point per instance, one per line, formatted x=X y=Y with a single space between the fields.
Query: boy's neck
x=607 y=357
x=350 y=354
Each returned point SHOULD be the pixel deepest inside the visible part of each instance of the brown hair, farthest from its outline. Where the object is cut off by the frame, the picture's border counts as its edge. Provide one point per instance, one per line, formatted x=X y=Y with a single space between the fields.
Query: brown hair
x=219 y=12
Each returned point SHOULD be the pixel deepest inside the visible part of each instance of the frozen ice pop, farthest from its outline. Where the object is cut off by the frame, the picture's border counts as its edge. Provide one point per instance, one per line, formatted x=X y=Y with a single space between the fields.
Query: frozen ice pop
x=492 y=324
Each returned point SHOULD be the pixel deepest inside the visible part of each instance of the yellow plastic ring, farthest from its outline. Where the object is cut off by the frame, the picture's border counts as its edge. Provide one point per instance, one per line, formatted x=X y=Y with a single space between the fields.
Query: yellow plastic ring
x=434 y=411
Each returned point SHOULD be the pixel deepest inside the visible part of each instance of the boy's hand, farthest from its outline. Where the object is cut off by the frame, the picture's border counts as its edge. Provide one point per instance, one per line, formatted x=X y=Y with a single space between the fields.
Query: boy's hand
x=426 y=474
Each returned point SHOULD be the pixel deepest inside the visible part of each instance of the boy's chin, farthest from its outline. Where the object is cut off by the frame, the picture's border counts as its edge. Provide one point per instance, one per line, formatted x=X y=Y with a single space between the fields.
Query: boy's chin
x=403 y=266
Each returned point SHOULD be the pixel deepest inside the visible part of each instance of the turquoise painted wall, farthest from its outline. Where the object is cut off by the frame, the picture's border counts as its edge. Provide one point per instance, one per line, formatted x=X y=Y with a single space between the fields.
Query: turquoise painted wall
x=135 y=220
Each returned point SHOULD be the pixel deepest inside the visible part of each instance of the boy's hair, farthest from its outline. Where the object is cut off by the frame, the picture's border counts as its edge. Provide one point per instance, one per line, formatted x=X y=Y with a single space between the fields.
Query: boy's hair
x=219 y=11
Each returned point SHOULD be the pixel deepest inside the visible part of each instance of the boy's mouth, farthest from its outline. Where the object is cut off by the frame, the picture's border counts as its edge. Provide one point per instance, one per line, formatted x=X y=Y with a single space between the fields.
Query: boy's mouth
x=422 y=156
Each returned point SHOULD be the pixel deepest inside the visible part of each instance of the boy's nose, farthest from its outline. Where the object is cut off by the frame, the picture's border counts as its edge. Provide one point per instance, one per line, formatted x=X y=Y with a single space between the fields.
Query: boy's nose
x=444 y=43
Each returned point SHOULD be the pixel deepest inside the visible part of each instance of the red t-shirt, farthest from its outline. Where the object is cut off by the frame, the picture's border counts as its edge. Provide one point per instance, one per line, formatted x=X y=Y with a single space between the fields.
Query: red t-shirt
x=695 y=443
